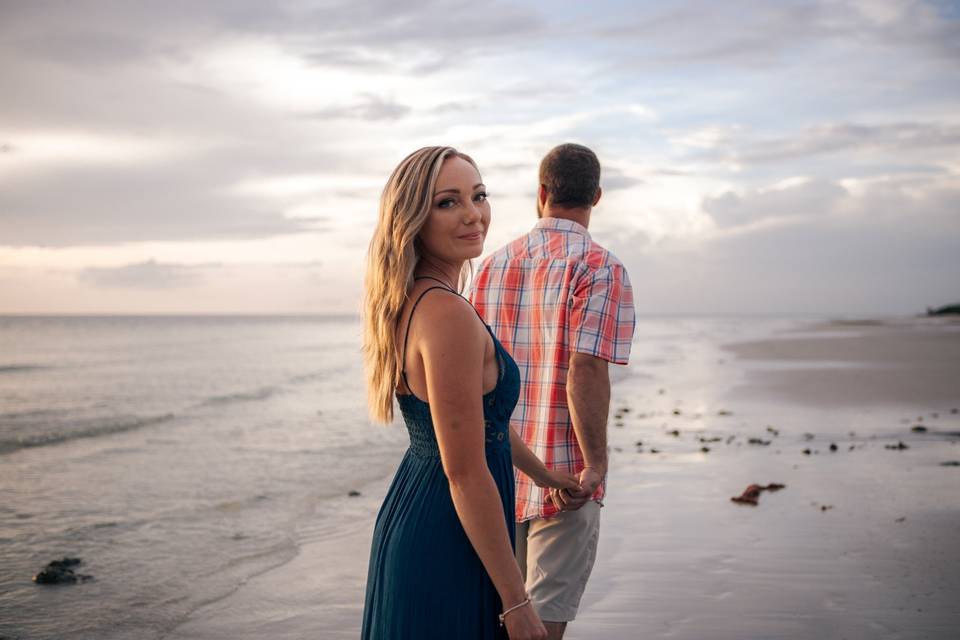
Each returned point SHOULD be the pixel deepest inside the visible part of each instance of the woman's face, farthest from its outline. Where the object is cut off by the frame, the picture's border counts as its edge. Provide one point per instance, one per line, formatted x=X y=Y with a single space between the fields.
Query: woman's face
x=459 y=214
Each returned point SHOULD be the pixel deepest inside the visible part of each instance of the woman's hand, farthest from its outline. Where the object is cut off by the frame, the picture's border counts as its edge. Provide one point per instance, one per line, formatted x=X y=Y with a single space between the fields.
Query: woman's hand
x=557 y=480
x=524 y=624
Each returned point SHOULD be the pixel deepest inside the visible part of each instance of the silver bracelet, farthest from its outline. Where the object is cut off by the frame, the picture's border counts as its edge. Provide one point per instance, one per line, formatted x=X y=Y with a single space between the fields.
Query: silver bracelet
x=513 y=608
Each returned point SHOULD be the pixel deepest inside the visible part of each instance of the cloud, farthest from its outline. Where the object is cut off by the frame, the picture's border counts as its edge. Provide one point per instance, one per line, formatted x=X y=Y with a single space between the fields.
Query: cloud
x=833 y=138
x=361 y=35
x=761 y=34
x=88 y=49
x=805 y=198
x=235 y=127
x=880 y=248
x=84 y=206
x=144 y=275
x=371 y=108
x=613 y=179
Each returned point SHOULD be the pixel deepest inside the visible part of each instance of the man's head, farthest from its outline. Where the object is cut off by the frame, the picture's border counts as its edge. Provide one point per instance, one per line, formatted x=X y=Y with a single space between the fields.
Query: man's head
x=569 y=180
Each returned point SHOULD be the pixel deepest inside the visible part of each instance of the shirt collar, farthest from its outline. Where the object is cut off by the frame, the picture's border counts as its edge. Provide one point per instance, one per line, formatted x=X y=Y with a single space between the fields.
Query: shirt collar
x=561 y=224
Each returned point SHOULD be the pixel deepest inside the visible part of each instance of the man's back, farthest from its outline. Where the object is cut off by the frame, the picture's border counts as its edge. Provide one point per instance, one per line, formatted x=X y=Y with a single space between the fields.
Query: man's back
x=547 y=294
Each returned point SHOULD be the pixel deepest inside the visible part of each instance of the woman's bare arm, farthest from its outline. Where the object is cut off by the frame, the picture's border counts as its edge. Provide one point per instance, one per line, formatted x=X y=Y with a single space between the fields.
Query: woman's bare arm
x=527 y=461
x=452 y=350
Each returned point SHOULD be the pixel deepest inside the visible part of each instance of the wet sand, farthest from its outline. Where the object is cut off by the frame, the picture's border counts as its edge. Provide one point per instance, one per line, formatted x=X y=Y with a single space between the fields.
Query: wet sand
x=842 y=364
x=863 y=542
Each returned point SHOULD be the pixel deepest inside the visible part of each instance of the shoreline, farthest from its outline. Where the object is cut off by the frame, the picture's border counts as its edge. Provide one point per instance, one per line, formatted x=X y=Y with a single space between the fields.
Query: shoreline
x=858 y=544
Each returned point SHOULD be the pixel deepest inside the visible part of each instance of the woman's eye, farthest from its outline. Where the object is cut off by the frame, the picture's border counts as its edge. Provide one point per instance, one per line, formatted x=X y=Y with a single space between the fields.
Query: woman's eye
x=446 y=203
x=480 y=197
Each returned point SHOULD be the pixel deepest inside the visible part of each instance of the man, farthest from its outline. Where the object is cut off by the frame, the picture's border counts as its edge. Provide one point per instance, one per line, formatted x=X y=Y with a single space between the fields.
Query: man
x=562 y=305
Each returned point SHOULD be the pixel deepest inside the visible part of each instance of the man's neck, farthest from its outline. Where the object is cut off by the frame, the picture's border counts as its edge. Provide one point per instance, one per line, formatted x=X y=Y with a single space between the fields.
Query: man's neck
x=580 y=216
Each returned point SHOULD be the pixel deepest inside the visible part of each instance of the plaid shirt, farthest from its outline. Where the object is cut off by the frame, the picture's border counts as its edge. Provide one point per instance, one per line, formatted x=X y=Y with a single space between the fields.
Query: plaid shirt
x=548 y=293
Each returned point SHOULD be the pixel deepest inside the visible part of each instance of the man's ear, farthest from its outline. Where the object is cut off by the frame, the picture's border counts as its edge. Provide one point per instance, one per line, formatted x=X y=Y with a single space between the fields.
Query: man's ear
x=597 y=198
x=542 y=196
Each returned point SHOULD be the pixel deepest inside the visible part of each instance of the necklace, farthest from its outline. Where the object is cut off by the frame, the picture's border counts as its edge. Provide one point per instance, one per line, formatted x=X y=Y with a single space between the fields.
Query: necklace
x=444 y=283
x=440 y=280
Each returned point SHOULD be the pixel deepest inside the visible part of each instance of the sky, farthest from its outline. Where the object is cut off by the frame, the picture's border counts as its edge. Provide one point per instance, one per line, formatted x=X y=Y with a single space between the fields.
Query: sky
x=227 y=156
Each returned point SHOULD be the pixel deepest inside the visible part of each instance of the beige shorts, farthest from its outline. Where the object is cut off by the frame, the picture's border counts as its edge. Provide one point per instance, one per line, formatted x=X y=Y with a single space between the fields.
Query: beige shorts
x=556 y=556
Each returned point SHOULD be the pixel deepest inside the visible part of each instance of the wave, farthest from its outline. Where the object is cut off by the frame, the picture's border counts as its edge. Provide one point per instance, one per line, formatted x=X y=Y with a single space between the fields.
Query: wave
x=29 y=413
x=16 y=368
x=308 y=377
x=242 y=396
x=44 y=439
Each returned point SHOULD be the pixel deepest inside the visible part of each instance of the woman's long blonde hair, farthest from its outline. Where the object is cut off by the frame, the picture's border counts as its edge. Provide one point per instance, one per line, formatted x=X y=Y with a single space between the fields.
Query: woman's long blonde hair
x=394 y=252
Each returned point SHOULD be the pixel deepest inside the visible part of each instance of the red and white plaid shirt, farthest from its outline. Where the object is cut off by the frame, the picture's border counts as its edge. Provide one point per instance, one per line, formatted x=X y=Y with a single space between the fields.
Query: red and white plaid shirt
x=548 y=293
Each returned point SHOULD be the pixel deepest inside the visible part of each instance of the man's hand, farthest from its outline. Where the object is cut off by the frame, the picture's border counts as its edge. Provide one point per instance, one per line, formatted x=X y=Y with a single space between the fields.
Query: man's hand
x=573 y=499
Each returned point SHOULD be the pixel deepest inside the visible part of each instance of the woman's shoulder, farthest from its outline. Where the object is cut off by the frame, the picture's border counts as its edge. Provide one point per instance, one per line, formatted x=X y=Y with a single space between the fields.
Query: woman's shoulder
x=441 y=303
x=442 y=314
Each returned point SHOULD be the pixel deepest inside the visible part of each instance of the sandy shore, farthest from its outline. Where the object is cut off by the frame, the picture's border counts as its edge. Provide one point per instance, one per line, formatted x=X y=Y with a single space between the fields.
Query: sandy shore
x=863 y=542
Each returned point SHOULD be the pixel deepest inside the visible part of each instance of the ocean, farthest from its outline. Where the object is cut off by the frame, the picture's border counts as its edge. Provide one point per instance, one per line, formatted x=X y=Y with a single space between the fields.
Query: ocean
x=182 y=457
x=176 y=456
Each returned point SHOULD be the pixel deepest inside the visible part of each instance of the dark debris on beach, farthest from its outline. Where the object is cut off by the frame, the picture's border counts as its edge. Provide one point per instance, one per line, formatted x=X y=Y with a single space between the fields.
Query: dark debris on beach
x=703 y=439
x=61 y=572
x=751 y=495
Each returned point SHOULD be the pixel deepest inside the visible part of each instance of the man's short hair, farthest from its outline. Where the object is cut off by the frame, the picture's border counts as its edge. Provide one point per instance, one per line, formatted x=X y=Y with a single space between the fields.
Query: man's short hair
x=571 y=175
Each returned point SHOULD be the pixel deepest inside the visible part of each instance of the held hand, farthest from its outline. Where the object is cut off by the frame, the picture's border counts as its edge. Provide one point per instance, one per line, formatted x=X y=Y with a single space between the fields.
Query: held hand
x=571 y=500
x=590 y=480
x=524 y=624
x=558 y=480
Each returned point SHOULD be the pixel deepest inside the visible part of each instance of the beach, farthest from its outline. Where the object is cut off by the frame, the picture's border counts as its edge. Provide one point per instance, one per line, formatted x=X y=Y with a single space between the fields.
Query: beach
x=862 y=542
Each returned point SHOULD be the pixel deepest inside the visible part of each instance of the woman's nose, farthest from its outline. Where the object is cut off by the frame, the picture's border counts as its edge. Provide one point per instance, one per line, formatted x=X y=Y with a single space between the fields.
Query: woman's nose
x=472 y=212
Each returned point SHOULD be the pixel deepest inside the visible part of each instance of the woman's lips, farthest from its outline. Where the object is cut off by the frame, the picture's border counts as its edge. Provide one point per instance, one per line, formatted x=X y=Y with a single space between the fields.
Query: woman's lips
x=472 y=236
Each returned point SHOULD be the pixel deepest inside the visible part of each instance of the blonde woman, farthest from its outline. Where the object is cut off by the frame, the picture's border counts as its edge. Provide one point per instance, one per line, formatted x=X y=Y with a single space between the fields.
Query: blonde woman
x=442 y=562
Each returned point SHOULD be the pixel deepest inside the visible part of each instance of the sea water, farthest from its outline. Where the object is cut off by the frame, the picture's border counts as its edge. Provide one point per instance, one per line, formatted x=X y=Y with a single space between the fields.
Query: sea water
x=176 y=456
x=180 y=456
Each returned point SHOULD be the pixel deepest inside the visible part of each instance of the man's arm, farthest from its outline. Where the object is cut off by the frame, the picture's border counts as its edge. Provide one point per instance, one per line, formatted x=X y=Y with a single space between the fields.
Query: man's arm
x=601 y=331
x=588 y=398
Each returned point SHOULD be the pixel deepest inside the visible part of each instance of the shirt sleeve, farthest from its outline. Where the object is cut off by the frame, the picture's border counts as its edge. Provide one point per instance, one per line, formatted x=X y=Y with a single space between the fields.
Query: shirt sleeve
x=602 y=317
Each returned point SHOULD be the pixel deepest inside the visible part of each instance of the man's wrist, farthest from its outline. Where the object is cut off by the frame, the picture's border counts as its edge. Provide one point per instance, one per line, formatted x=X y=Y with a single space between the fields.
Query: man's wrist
x=599 y=468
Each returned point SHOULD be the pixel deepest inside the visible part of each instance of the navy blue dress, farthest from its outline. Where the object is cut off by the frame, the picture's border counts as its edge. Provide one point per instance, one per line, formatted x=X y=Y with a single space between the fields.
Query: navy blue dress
x=424 y=579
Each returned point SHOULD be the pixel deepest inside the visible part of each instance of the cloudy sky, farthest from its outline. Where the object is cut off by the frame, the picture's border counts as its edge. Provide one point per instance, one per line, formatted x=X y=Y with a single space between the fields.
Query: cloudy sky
x=227 y=156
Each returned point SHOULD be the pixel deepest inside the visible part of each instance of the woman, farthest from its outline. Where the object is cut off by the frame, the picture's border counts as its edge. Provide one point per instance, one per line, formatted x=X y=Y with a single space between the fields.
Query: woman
x=442 y=563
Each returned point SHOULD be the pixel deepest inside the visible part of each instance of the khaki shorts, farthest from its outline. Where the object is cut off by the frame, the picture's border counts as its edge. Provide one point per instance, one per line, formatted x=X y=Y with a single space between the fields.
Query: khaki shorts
x=556 y=556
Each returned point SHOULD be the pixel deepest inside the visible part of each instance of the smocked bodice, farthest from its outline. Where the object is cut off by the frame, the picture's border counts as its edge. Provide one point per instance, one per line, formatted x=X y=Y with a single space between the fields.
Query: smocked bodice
x=497 y=407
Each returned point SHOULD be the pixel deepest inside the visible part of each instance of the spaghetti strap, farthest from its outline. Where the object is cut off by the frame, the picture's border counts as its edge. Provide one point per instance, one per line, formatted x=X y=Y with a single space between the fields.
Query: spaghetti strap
x=406 y=335
x=448 y=288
